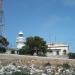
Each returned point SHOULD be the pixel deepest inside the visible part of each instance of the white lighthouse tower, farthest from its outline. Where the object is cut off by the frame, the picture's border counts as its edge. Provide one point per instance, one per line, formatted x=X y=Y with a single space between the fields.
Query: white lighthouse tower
x=20 y=42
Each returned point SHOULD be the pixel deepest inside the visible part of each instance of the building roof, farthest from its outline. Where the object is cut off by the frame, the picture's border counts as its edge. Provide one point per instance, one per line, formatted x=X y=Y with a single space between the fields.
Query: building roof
x=58 y=45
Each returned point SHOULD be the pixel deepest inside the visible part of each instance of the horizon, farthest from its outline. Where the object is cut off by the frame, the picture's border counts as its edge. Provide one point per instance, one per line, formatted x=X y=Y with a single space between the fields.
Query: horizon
x=53 y=20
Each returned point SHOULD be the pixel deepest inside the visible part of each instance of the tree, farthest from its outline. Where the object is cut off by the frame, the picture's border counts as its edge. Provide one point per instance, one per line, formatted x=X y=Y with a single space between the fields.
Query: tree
x=3 y=44
x=71 y=55
x=33 y=45
x=4 y=41
x=25 y=50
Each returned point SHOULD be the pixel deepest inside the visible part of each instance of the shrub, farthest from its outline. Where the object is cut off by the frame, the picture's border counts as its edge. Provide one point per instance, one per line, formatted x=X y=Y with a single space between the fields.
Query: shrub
x=66 y=66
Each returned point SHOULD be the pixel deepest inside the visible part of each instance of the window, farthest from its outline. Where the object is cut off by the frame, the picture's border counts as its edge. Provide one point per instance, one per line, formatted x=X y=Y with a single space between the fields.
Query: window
x=50 y=51
x=57 y=52
x=64 y=52
x=12 y=52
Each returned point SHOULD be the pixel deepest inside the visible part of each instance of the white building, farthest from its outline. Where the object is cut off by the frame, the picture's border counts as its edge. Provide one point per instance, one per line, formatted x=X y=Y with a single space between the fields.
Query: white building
x=57 y=50
x=54 y=50
x=20 y=42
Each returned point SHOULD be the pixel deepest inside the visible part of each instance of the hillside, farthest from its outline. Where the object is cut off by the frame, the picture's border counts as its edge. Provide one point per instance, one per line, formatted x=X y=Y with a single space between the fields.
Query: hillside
x=25 y=59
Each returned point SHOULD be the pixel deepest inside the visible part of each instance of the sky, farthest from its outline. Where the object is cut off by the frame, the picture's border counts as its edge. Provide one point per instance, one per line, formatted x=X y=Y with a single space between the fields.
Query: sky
x=53 y=20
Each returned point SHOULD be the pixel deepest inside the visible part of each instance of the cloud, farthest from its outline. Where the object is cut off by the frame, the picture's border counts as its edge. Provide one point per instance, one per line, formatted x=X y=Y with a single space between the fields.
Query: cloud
x=69 y=2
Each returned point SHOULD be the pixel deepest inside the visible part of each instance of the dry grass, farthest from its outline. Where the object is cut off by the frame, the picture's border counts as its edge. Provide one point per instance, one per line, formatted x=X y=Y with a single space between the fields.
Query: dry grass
x=24 y=59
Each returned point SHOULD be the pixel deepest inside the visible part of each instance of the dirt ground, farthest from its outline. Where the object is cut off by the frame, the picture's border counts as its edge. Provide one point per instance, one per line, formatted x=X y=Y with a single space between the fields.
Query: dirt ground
x=25 y=59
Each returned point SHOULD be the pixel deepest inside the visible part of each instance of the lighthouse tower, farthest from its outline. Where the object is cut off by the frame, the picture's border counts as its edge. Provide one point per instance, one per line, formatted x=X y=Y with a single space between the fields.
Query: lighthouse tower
x=20 y=42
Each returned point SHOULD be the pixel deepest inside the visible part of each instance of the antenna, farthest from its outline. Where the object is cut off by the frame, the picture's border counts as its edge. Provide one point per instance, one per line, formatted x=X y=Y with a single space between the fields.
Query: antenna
x=2 y=26
x=55 y=38
x=50 y=39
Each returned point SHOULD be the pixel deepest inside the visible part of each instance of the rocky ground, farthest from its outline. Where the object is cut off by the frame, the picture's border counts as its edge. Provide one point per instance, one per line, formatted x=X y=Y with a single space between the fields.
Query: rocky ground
x=34 y=65
x=46 y=69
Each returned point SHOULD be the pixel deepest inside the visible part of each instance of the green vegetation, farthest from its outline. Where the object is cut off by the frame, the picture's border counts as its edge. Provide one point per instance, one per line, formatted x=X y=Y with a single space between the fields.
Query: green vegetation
x=19 y=73
x=3 y=44
x=33 y=45
x=2 y=50
x=71 y=55
x=66 y=66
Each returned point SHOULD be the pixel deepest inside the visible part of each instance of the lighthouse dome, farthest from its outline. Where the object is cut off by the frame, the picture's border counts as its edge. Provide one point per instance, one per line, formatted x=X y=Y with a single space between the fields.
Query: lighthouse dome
x=20 y=34
x=20 y=37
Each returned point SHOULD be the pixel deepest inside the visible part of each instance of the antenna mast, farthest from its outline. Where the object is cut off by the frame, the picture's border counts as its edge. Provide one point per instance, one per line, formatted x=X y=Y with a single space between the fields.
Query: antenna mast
x=2 y=26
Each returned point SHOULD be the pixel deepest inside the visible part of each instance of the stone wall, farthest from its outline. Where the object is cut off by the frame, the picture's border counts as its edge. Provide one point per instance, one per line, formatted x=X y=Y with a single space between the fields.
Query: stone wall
x=25 y=59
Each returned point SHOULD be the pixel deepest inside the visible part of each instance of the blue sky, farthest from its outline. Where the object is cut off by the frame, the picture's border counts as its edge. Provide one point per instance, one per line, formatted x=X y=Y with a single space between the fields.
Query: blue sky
x=54 y=20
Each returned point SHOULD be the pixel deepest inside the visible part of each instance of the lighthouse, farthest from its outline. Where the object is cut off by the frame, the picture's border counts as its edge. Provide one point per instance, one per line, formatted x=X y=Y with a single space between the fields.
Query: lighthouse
x=20 y=42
